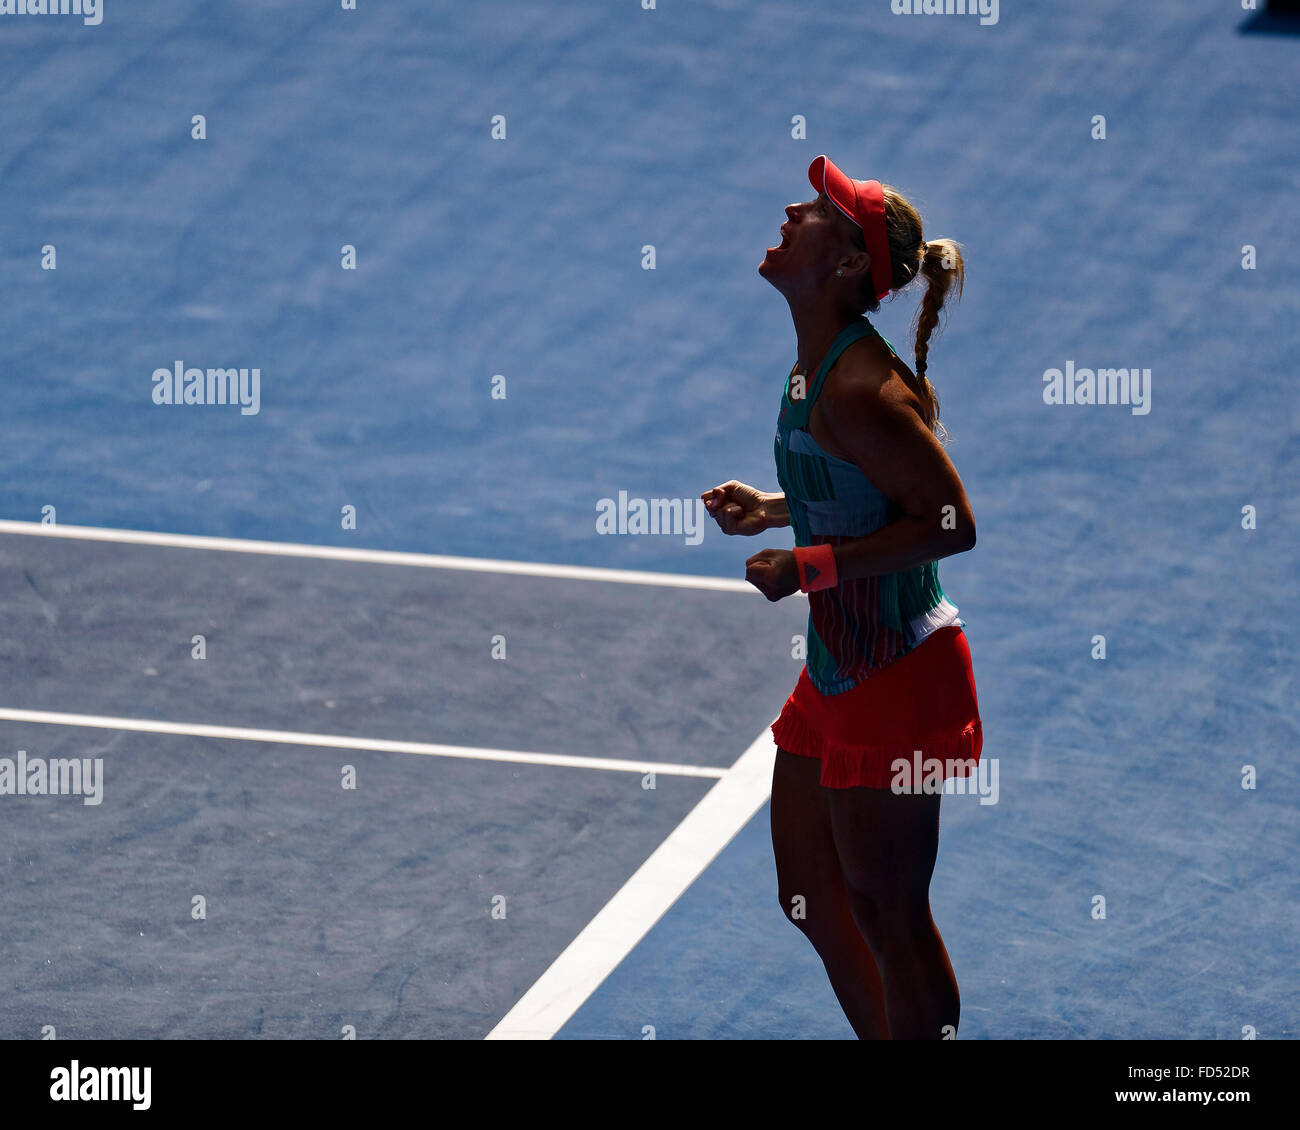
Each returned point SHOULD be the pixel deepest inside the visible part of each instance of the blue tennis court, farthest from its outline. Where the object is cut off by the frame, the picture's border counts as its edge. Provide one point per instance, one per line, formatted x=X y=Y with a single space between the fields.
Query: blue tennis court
x=400 y=720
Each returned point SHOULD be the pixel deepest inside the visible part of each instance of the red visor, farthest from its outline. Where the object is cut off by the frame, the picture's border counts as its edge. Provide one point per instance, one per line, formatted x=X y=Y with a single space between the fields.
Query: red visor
x=863 y=201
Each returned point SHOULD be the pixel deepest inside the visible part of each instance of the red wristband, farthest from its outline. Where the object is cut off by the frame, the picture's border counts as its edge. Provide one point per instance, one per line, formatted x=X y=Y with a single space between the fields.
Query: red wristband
x=815 y=565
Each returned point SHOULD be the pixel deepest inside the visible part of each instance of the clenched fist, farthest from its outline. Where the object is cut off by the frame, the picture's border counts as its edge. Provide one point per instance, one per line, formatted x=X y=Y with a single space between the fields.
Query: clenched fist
x=741 y=509
x=773 y=572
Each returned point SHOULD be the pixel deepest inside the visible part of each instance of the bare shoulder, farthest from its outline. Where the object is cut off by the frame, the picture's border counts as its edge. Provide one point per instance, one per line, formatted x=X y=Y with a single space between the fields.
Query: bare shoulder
x=870 y=383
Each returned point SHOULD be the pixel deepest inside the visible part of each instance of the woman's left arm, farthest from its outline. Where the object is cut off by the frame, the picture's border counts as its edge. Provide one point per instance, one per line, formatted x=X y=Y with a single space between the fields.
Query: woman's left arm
x=880 y=427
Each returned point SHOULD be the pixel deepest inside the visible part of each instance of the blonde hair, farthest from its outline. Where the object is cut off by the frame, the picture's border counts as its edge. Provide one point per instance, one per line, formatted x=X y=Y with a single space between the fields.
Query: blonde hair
x=911 y=255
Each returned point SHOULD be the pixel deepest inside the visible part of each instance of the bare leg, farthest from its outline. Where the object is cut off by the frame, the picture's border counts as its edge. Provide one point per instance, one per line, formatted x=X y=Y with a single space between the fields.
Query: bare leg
x=887 y=844
x=808 y=866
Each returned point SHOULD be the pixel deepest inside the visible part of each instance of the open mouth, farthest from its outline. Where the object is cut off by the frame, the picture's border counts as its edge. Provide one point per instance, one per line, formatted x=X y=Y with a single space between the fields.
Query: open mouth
x=785 y=242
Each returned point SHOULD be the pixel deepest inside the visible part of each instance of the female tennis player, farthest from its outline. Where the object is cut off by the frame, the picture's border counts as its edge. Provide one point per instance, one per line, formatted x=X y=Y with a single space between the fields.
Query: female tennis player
x=874 y=503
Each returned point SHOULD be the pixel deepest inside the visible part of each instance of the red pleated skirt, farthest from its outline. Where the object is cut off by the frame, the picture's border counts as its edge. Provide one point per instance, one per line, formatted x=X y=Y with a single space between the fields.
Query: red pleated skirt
x=923 y=701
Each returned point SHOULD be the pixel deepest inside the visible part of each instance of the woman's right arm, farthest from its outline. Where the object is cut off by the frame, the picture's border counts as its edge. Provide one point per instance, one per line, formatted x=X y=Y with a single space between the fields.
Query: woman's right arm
x=779 y=513
x=741 y=509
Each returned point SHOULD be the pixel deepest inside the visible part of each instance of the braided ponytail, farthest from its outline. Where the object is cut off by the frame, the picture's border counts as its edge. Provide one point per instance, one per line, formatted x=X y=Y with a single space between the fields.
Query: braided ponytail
x=911 y=257
x=941 y=265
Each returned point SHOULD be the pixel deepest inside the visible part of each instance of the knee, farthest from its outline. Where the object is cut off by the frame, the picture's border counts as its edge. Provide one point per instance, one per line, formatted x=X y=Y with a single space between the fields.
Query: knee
x=889 y=922
x=808 y=911
x=794 y=905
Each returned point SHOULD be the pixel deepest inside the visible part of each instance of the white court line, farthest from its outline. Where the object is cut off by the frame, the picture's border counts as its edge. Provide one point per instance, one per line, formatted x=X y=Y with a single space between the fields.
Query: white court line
x=336 y=741
x=379 y=557
x=658 y=883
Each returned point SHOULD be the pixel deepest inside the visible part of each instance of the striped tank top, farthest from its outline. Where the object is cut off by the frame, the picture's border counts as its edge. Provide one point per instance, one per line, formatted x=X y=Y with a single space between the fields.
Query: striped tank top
x=859 y=625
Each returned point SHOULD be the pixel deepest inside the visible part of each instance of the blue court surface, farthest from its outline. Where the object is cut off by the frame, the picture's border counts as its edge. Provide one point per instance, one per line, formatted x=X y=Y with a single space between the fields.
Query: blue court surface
x=396 y=725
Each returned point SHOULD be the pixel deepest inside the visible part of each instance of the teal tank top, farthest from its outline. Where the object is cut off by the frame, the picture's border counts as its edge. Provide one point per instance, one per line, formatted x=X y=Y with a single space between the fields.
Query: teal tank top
x=859 y=625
